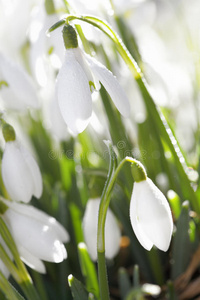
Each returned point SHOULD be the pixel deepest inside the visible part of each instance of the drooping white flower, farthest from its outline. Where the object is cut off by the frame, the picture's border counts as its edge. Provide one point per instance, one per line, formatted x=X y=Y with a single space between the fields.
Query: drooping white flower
x=150 y=216
x=112 y=231
x=37 y=235
x=78 y=74
x=20 y=173
x=17 y=88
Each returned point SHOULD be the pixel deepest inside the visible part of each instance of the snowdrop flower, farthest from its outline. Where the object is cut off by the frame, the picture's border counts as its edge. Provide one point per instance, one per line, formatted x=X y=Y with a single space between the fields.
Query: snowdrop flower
x=20 y=172
x=150 y=213
x=16 y=86
x=78 y=75
x=37 y=235
x=112 y=231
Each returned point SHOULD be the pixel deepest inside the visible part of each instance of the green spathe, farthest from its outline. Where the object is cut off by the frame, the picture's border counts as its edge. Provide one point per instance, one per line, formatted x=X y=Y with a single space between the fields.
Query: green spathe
x=8 y=132
x=138 y=171
x=69 y=37
x=3 y=207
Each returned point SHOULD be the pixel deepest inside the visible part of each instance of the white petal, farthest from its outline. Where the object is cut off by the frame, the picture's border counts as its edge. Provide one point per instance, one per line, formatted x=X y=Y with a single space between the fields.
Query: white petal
x=112 y=232
x=59 y=229
x=112 y=235
x=35 y=237
x=40 y=216
x=153 y=213
x=73 y=94
x=80 y=57
x=90 y=220
x=31 y=261
x=34 y=172
x=16 y=176
x=112 y=86
x=140 y=234
x=20 y=83
x=58 y=125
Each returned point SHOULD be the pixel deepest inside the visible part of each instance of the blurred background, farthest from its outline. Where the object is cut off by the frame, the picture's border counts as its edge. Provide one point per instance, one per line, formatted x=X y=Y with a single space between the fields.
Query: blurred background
x=164 y=39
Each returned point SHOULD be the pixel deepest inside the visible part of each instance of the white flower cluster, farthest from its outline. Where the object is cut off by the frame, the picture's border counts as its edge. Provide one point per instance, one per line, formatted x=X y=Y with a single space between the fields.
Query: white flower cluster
x=37 y=235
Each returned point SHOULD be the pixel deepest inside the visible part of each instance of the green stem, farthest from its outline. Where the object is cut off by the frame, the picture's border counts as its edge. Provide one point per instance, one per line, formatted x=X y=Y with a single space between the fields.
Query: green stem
x=105 y=202
x=105 y=199
x=8 y=290
x=29 y=290
x=102 y=272
x=9 y=263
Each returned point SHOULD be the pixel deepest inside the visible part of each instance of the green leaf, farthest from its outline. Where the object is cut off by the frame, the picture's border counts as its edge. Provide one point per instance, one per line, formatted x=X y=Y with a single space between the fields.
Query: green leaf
x=88 y=270
x=8 y=290
x=181 y=249
x=156 y=266
x=124 y=283
x=136 y=276
x=175 y=203
x=171 y=294
x=77 y=289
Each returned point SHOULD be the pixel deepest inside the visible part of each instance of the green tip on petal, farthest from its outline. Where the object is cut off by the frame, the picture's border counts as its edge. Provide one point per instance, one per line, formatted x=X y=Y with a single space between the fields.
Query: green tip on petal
x=8 y=132
x=138 y=171
x=3 y=83
x=69 y=37
x=92 y=86
x=70 y=279
x=3 y=208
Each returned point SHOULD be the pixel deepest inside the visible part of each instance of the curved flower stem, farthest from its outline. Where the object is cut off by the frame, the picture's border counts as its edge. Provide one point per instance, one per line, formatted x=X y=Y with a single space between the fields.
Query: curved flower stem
x=102 y=273
x=154 y=112
x=105 y=200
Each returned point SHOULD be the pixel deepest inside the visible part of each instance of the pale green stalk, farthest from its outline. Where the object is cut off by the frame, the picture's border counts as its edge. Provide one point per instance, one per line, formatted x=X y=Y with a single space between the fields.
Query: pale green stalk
x=8 y=290
x=104 y=204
